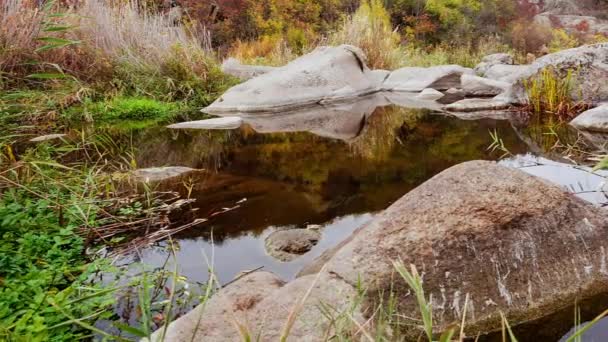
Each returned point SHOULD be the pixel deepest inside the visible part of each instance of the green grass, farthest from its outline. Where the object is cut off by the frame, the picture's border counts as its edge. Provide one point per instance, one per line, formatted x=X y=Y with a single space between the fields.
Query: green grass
x=132 y=109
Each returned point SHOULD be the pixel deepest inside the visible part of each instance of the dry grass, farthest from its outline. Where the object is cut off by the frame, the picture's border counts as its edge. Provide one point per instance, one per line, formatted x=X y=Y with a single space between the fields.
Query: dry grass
x=20 y=25
x=268 y=50
x=370 y=29
x=550 y=94
x=123 y=45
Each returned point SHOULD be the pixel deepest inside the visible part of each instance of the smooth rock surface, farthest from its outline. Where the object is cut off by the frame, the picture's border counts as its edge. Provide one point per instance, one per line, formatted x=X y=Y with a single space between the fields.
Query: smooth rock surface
x=233 y=67
x=414 y=79
x=377 y=77
x=511 y=242
x=229 y=122
x=595 y=120
x=506 y=73
x=328 y=74
x=430 y=95
x=287 y=245
x=473 y=105
x=480 y=86
x=489 y=61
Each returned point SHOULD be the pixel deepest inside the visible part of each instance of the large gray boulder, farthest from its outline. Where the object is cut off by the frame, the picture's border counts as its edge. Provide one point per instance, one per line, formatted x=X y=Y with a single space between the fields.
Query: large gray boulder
x=233 y=67
x=491 y=60
x=594 y=120
x=415 y=79
x=506 y=73
x=588 y=65
x=328 y=74
x=508 y=240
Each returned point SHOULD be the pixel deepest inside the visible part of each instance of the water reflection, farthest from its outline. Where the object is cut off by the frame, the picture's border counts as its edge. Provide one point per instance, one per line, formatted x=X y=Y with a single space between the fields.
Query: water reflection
x=579 y=180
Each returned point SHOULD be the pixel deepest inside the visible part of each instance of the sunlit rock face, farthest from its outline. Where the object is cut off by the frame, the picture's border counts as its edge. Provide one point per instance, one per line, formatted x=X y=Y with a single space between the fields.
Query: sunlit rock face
x=414 y=79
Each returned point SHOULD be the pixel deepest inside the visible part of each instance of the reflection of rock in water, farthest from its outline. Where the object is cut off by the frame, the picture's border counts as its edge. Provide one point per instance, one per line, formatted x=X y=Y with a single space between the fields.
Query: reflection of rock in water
x=341 y=122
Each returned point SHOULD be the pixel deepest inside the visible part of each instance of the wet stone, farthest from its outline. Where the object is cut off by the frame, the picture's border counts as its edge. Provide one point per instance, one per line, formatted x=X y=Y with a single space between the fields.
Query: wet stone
x=160 y=174
x=287 y=245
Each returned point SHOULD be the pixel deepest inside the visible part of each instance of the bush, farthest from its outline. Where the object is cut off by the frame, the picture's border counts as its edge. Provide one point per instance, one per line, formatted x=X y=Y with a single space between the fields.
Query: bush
x=530 y=37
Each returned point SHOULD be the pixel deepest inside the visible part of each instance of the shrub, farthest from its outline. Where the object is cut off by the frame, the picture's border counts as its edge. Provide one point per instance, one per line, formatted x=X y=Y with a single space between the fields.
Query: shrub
x=530 y=37
x=370 y=29
x=561 y=40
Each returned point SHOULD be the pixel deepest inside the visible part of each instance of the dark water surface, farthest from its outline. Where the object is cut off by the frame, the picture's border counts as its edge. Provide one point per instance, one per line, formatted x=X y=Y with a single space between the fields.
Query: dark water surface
x=334 y=170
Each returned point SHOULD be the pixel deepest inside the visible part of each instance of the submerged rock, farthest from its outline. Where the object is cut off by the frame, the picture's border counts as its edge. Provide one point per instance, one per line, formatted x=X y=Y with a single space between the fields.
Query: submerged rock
x=495 y=59
x=480 y=86
x=595 y=120
x=287 y=245
x=233 y=67
x=509 y=241
x=473 y=105
x=160 y=174
x=414 y=79
x=229 y=122
x=328 y=74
